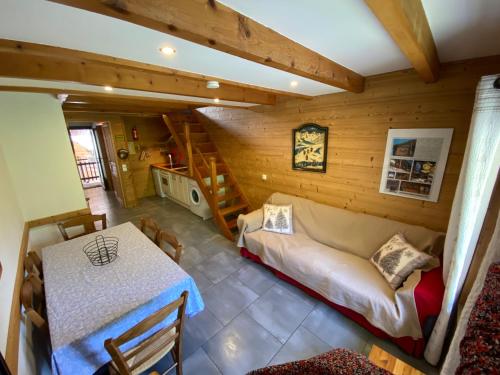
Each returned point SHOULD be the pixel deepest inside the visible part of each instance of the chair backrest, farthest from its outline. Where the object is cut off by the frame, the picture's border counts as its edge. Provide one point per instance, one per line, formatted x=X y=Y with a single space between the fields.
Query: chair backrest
x=149 y=347
x=87 y=221
x=150 y=228
x=33 y=264
x=33 y=300
x=170 y=245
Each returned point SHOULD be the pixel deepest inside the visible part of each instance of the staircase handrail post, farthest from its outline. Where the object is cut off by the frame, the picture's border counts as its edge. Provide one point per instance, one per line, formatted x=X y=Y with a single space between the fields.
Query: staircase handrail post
x=189 y=148
x=214 y=186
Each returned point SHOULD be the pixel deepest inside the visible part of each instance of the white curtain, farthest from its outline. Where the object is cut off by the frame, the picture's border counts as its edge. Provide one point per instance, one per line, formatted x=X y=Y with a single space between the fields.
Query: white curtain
x=477 y=178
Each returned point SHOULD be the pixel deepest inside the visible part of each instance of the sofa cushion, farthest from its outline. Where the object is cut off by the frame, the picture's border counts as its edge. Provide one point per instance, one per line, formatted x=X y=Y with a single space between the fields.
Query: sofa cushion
x=341 y=277
x=278 y=218
x=357 y=233
x=397 y=259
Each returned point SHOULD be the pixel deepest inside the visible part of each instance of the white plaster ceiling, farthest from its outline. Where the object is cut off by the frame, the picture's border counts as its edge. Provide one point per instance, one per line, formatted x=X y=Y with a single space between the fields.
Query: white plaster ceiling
x=344 y=31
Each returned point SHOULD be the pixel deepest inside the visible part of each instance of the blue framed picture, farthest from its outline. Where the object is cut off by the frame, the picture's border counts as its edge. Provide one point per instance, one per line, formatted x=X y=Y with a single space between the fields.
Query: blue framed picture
x=310 y=148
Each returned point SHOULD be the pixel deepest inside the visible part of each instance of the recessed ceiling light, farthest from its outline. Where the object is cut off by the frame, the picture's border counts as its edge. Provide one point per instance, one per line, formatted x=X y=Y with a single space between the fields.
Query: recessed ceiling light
x=294 y=83
x=216 y=100
x=213 y=85
x=108 y=88
x=169 y=51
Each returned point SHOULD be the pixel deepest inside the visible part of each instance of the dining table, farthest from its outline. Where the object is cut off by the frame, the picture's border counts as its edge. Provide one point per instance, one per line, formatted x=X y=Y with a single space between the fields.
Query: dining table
x=87 y=304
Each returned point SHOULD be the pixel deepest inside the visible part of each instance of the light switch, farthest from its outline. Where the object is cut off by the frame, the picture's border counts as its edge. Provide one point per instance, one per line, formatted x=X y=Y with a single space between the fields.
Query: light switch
x=124 y=168
x=264 y=177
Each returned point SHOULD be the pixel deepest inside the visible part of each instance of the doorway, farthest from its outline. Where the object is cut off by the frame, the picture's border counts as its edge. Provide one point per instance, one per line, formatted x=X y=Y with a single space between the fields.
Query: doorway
x=87 y=156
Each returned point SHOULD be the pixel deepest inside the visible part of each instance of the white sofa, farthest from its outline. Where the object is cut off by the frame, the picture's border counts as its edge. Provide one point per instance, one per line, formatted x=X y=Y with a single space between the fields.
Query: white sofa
x=329 y=254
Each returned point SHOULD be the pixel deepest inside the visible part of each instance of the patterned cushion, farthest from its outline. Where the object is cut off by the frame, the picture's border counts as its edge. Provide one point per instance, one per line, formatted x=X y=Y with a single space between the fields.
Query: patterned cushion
x=278 y=219
x=397 y=259
x=334 y=362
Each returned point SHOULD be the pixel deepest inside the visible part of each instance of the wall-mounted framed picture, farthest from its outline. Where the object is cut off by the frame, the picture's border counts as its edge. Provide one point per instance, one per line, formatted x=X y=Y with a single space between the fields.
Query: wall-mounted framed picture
x=310 y=148
x=414 y=162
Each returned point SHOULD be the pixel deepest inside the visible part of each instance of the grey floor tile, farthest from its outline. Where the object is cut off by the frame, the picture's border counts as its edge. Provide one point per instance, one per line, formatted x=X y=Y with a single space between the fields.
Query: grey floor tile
x=201 y=281
x=191 y=256
x=280 y=312
x=241 y=346
x=256 y=277
x=228 y=298
x=199 y=363
x=301 y=345
x=335 y=329
x=219 y=266
x=199 y=329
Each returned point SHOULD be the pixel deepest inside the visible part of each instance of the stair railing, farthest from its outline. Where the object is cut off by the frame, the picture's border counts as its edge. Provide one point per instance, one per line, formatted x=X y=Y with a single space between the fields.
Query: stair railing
x=214 y=185
x=189 y=148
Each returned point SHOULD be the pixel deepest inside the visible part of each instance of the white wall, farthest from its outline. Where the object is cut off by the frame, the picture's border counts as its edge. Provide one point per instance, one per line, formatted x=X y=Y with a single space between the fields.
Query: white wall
x=38 y=178
x=38 y=154
x=11 y=230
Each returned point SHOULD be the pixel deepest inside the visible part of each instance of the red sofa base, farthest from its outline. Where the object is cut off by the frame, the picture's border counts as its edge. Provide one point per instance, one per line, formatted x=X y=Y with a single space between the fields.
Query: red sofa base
x=408 y=344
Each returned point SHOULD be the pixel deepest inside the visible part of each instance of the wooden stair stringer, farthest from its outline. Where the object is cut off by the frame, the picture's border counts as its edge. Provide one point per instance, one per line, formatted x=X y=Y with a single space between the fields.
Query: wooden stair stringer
x=225 y=216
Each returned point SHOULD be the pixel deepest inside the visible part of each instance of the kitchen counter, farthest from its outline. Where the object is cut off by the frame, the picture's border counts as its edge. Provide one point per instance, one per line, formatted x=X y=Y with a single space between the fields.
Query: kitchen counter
x=181 y=170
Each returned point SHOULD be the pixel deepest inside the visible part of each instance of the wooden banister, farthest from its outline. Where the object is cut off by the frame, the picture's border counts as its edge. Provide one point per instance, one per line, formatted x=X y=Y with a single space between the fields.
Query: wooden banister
x=205 y=162
x=189 y=148
x=214 y=185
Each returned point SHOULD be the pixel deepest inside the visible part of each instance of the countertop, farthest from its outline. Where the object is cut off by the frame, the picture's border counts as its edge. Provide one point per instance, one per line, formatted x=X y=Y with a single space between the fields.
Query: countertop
x=180 y=170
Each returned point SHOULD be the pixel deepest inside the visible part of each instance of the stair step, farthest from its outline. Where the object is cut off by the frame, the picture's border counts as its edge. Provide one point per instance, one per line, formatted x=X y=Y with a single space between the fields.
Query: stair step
x=229 y=210
x=228 y=196
x=221 y=170
x=226 y=184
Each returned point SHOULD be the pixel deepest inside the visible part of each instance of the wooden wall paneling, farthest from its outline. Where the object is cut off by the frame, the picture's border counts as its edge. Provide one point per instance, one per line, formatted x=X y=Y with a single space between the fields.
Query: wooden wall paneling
x=258 y=141
x=153 y=135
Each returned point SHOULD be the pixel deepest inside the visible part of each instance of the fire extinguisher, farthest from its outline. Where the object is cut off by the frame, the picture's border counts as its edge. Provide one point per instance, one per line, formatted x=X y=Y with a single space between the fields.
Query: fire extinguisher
x=135 y=136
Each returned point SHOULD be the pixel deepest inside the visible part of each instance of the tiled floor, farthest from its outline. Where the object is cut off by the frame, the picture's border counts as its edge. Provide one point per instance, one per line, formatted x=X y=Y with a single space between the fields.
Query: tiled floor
x=251 y=318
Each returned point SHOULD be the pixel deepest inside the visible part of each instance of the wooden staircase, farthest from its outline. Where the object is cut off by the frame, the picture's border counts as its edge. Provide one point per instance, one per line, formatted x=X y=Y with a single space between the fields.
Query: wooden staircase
x=207 y=167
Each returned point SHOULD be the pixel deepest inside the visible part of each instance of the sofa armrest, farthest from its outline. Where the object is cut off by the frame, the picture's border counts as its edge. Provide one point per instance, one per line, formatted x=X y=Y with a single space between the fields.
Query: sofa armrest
x=249 y=223
x=429 y=294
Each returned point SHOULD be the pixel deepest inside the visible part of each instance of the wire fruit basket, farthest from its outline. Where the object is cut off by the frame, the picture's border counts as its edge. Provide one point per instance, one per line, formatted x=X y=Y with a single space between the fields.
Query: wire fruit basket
x=102 y=250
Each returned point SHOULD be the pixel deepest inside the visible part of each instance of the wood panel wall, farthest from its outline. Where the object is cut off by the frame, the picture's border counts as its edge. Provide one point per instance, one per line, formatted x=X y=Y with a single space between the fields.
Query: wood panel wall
x=258 y=141
x=153 y=134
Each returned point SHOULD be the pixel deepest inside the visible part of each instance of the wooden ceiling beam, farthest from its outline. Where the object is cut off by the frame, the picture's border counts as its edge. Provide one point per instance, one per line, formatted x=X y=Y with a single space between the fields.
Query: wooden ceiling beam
x=92 y=96
x=35 y=61
x=406 y=22
x=217 y=26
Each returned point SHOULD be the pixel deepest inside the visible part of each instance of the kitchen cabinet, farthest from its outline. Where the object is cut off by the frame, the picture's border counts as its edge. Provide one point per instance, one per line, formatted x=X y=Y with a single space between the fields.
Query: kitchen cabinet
x=174 y=186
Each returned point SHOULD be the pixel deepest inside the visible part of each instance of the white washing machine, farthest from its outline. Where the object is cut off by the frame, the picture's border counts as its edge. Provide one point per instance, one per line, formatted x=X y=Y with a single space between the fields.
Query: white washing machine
x=197 y=202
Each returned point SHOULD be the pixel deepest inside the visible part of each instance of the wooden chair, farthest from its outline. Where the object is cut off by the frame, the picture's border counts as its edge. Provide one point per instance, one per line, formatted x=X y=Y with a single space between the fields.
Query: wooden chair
x=33 y=301
x=170 y=246
x=153 y=348
x=33 y=264
x=150 y=228
x=87 y=221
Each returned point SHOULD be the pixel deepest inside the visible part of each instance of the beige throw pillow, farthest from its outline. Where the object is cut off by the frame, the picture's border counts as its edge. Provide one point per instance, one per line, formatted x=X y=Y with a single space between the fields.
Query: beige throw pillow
x=278 y=219
x=397 y=259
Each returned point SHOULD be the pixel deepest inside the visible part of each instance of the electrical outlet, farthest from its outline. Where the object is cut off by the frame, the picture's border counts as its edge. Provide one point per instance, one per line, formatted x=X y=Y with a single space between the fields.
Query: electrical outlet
x=124 y=168
x=264 y=177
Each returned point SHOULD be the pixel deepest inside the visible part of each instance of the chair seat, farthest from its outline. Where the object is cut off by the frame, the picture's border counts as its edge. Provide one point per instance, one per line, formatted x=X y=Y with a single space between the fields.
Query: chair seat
x=151 y=348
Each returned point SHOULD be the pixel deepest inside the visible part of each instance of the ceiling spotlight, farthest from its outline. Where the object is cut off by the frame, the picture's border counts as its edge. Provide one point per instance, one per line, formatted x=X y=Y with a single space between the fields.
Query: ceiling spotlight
x=108 y=88
x=62 y=98
x=169 y=51
x=294 y=83
x=213 y=85
x=216 y=100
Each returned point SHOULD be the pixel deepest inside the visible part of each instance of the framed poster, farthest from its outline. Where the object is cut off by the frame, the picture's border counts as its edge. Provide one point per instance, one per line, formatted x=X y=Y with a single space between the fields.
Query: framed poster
x=414 y=162
x=310 y=147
